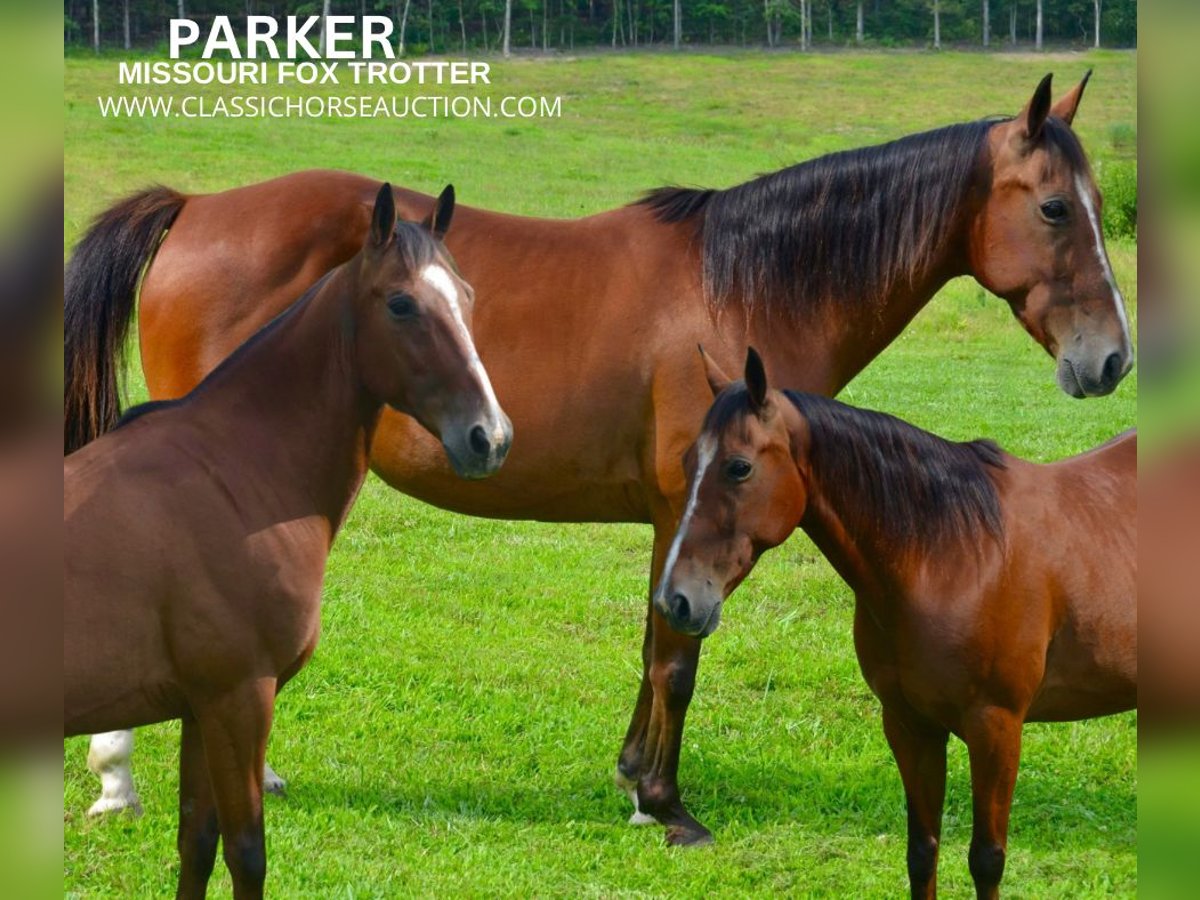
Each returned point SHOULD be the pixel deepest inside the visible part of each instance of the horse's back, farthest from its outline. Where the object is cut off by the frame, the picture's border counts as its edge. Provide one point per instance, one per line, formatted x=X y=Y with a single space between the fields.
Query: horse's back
x=234 y=259
x=1104 y=477
x=1119 y=452
x=140 y=504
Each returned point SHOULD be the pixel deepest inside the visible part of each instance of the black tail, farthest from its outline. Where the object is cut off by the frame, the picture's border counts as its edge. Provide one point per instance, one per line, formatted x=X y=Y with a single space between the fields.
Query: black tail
x=99 y=286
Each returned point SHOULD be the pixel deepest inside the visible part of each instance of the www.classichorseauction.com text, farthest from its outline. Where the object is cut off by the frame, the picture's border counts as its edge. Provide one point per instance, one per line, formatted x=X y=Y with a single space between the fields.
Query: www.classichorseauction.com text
x=271 y=51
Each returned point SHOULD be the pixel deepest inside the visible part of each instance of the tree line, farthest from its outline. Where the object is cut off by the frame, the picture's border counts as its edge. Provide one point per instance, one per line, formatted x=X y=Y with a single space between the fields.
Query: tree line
x=458 y=26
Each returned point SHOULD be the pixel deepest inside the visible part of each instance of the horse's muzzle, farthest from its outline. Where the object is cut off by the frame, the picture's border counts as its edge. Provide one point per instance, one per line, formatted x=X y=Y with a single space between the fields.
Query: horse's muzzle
x=479 y=449
x=1093 y=374
x=693 y=612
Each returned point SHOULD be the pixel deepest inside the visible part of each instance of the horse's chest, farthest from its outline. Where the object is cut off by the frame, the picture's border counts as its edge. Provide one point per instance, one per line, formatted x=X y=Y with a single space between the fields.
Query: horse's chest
x=917 y=662
x=286 y=570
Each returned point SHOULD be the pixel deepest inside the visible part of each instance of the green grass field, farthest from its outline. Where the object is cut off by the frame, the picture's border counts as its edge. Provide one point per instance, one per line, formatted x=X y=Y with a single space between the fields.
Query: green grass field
x=457 y=729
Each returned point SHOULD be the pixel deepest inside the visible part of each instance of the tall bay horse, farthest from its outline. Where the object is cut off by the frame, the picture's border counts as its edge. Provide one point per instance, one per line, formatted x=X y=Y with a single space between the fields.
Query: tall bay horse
x=989 y=591
x=588 y=326
x=197 y=532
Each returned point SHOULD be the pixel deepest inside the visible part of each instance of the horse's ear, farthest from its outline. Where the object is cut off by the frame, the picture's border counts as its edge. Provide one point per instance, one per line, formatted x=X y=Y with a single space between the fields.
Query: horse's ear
x=438 y=220
x=756 y=379
x=1033 y=117
x=383 y=219
x=1066 y=107
x=717 y=380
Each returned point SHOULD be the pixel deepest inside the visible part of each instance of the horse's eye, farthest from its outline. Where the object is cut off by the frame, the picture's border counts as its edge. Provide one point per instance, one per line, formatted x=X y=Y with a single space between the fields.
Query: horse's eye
x=738 y=469
x=1055 y=211
x=402 y=306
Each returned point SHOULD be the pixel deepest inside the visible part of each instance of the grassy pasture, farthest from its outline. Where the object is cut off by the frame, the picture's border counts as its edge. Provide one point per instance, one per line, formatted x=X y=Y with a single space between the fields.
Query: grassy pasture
x=457 y=729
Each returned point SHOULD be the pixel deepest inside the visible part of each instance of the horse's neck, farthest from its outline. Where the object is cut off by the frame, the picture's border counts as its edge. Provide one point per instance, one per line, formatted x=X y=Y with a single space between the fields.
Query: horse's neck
x=822 y=352
x=294 y=408
x=860 y=554
x=826 y=345
x=868 y=331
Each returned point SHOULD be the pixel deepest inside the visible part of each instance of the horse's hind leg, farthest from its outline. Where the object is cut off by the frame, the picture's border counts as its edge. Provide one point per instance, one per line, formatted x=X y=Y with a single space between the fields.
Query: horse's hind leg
x=235 y=727
x=198 y=828
x=920 y=752
x=108 y=757
x=993 y=738
x=272 y=782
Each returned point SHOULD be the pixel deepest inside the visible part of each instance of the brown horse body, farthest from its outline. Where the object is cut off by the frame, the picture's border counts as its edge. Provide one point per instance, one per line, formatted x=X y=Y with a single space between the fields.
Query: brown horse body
x=989 y=591
x=197 y=533
x=588 y=326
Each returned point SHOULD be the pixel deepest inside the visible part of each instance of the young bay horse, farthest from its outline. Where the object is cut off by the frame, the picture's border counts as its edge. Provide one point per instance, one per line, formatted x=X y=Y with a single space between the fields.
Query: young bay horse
x=197 y=532
x=989 y=591
x=588 y=326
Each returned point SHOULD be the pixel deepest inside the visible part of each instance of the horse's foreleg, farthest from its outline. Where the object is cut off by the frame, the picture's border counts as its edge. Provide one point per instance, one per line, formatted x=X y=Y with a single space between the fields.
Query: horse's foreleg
x=235 y=727
x=649 y=761
x=629 y=763
x=920 y=753
x=198 y=828
x=674 y=660
x=993 y=738
x=108 y=757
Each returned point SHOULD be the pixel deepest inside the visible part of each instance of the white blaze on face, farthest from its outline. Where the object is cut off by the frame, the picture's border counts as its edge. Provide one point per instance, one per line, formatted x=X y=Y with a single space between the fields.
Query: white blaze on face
x=441 y=281
x=706 y=449
x=1085 y=198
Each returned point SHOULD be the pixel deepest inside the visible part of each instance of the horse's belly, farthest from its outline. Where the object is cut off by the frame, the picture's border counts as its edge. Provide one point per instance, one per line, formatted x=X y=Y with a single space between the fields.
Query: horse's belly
x=548 y=478
x=116 y=672
x=1088 y=673
x=143 y=703
x=1070 y=704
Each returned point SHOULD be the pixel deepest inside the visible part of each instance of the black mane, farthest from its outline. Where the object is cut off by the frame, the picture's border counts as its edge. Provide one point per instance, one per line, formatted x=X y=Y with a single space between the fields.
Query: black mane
x=881 y=473
x=845 y=227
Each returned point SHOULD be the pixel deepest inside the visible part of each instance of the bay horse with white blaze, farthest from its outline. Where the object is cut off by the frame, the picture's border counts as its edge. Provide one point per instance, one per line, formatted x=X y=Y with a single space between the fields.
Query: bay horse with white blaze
x=587 y=326
x=197 y=532
x=989 y=591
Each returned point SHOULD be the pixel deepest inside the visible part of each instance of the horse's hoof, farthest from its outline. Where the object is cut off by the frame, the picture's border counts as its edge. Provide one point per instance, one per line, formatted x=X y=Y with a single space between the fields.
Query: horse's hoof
x=272 y=783
x=694 y=835
x=129 y=804
x=641 y=818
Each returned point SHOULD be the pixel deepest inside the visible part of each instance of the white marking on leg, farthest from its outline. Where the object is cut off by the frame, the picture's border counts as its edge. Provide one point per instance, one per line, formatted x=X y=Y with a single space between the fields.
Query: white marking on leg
x=1085 y=197
x=706 y=450
x=629 y=786
x=108 y=757
x=441 y=281
x=272 y=783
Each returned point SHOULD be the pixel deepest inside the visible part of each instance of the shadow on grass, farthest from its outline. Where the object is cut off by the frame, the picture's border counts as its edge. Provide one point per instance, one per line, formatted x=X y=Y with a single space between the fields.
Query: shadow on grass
x=834 y=800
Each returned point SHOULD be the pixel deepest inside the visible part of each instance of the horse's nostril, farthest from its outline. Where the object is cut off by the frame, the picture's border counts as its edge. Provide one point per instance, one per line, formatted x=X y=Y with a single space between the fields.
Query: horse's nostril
x=680 y=607
x=1112 y=368
x=478 y=439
